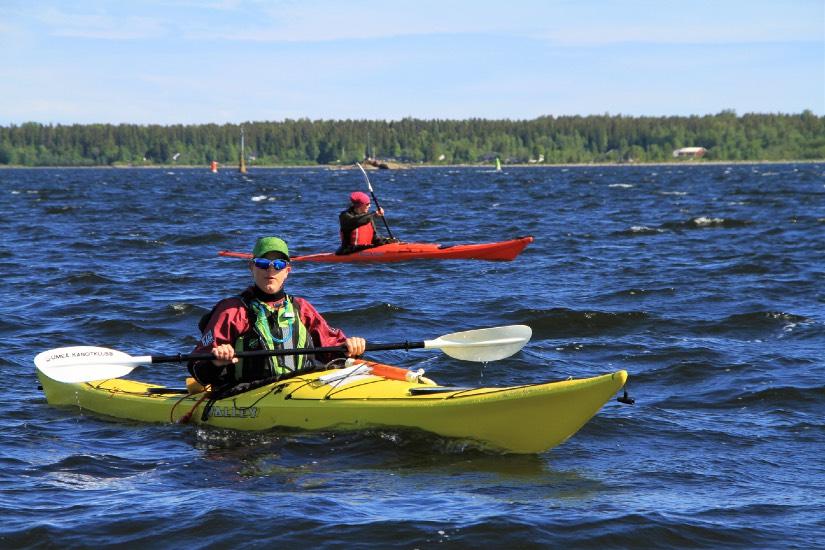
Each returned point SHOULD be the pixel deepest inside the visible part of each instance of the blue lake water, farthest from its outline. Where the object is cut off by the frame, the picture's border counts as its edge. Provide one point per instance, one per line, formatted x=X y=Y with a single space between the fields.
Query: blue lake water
x=705 y=282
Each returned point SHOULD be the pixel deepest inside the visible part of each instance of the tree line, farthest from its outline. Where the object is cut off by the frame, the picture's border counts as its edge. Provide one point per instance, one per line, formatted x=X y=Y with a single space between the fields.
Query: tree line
x=544 y=140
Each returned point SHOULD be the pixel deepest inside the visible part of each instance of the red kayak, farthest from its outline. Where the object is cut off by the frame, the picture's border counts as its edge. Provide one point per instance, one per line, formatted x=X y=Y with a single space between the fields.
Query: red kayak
x=503 y=251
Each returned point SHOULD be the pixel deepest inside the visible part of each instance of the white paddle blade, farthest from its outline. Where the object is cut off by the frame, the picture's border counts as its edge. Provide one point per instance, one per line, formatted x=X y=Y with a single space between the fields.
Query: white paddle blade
x=366 y=177
x=85 y=363
x=482 y=345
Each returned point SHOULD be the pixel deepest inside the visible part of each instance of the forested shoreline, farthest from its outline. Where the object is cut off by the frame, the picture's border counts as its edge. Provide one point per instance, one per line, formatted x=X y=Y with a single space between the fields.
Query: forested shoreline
x=544 y=140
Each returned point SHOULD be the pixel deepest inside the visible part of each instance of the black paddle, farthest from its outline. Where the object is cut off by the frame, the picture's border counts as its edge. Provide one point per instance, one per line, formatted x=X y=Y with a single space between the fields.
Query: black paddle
x=375 y=199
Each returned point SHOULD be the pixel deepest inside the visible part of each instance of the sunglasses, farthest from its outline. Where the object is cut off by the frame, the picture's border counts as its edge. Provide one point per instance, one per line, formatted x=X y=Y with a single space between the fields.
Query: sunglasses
x=263 y=263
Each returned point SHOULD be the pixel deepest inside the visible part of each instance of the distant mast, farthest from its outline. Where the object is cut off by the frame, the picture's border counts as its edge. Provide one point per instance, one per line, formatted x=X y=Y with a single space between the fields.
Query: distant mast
x=498 y=165
x=242 y=165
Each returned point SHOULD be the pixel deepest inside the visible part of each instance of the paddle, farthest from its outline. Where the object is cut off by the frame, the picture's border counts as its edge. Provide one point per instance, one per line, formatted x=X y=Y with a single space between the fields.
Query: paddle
x=87 y=363
x=374 y=198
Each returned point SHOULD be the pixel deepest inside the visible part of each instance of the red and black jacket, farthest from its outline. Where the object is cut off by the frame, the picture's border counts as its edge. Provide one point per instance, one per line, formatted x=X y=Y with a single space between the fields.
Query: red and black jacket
x=357 y=230
x=232 y=320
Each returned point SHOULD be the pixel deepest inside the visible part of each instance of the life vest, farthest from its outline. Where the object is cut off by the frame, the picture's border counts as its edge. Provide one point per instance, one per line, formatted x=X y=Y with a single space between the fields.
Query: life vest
x=271 y=328
x=362 y=235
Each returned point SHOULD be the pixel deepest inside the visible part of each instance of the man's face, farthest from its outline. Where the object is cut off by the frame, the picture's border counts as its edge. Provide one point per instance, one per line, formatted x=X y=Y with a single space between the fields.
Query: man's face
x=270 y=280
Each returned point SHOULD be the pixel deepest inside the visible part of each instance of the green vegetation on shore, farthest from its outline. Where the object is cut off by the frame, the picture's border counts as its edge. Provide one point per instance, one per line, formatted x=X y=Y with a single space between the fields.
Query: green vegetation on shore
x=544 y=140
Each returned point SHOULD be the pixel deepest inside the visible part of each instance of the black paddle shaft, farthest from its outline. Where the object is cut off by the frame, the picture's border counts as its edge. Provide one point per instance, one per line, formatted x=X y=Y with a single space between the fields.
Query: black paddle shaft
x=375 y=199
x=179 y=358
x=384 y=218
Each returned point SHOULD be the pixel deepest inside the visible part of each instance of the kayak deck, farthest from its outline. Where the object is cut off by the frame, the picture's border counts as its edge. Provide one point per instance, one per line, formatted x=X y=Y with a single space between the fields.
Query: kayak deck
x=519 y=419
x=501 y=251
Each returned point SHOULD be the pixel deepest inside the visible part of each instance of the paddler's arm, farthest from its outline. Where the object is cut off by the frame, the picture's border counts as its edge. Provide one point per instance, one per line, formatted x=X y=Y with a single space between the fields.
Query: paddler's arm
x=228 y=320
x=349 y=220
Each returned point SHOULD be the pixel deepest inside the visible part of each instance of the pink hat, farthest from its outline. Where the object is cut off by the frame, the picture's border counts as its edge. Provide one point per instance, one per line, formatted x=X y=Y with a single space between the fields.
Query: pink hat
x=358 y=197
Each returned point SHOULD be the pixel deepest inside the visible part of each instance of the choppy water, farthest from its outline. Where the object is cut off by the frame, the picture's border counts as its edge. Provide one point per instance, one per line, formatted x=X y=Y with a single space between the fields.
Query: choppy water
x=707 y=283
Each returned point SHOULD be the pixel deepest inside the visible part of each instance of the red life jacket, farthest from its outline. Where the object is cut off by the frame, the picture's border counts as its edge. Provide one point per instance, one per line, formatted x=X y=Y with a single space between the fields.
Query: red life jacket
x=362 y=235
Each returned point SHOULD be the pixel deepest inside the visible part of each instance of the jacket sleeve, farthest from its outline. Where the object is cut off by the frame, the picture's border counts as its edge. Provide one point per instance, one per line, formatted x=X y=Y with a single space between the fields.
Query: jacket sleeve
x=321 y=333
x=228 y=321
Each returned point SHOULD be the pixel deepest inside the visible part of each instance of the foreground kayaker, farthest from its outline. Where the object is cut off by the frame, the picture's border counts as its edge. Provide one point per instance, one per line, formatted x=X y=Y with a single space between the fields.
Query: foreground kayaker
x=264 y=317
x=357 y=225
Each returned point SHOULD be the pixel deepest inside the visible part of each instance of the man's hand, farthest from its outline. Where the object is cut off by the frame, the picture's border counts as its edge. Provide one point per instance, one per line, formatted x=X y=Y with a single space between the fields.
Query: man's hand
x=224 y=355
x=356 y=346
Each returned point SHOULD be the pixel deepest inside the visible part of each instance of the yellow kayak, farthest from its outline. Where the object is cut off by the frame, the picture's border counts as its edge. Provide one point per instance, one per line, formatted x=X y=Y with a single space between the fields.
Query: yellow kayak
x=519 y=419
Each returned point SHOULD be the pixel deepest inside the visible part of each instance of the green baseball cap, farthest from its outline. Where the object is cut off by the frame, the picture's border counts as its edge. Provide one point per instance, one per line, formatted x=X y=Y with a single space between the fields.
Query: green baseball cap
x=264 y=245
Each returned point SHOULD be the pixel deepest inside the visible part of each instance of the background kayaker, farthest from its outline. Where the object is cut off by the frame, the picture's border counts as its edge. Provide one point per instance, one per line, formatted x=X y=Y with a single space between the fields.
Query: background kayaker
x=264 y=317
x=358 y=225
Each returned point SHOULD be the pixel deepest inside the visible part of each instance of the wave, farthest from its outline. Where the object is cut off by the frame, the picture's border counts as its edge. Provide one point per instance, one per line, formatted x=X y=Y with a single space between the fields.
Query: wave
x=90 y=278
x=770 y=315
x=559 y=322
x=786 y=397
x=132 y=242
x=99 y=467
x=755 y=325
x=703 y=222
x=184 y=308
x=125 y=327
x=371 y=316
x=566 y=323
x=745 y=268
x=655 y=352
x=372 y=310
x=691 y=383
x=206 y=238
x=640 y=230
x=761 y=320
x=638 y=293
x=62 y=209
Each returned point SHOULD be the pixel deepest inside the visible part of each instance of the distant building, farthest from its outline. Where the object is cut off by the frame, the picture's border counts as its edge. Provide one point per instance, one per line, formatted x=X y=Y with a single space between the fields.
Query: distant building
x=690 y=152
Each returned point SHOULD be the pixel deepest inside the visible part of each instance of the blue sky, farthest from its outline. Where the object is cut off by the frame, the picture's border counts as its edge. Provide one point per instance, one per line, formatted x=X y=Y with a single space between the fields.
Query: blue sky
x=202 y=61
